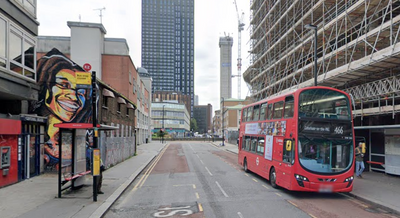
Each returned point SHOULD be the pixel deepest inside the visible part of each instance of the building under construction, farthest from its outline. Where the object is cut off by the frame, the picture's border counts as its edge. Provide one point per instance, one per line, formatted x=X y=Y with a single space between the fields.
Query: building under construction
x=358 y=51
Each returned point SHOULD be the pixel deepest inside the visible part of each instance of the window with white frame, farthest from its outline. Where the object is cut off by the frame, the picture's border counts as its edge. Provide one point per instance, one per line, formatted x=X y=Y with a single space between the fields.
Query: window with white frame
x=17 y=49
x=29 y=6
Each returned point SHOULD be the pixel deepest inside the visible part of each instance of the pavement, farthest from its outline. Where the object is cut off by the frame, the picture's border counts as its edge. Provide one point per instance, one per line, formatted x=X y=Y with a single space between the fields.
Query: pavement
x=37 y=197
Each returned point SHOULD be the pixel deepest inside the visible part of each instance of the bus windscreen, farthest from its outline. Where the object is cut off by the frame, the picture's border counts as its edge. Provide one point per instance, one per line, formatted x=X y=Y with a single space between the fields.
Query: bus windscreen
x=324 y=103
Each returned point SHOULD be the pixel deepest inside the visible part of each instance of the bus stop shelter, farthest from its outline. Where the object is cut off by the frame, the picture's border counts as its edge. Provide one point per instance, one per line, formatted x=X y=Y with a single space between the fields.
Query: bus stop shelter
x=73 y=139
x=383 y=143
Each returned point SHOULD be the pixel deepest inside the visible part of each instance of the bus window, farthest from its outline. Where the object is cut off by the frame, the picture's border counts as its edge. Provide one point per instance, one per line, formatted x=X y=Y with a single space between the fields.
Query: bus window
x=260 y=146
x=263 y=111
x=256 y=112
x=289 y=107
x=253 y=144
x=246 y=144
x=288 y=151
x=278 y=109
x=244 y=114
x=269 y=112
x=249 y=114
x=323 y=103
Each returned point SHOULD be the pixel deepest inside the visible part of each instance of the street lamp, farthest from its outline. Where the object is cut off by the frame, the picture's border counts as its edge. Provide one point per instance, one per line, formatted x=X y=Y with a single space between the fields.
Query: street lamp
x=313 y=27
x=222 y=113
x=162 y=133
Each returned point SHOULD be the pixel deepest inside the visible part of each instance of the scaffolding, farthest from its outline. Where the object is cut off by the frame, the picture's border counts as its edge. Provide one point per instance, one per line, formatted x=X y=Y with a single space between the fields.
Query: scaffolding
x=358 y=50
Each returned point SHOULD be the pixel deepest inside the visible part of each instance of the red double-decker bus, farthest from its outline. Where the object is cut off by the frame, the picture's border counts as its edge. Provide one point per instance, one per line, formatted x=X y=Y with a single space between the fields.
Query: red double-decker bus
x=302 y=140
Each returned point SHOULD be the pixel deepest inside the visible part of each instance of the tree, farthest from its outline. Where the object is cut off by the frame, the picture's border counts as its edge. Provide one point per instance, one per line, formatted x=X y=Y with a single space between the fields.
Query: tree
x=193 y=125
x=161 y=133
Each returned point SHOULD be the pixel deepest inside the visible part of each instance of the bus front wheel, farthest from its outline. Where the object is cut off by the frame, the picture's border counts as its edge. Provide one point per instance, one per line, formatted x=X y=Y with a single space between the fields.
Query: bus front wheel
x=245 y=166
x=272 y=178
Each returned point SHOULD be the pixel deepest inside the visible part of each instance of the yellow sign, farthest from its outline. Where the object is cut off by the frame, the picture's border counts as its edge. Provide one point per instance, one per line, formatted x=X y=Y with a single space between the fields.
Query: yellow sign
x=96 y=162
x=363 y=148
x=83 y=78
x=288 y=145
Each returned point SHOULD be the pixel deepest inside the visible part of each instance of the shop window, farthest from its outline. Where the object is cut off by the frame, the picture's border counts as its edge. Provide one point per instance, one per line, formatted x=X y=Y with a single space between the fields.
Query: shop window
x=105 y=102
x=119 y=108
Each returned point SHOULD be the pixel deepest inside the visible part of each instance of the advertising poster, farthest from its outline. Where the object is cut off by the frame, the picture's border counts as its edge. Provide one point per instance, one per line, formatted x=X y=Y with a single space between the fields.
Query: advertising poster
x=269 y=146
x=252 y=128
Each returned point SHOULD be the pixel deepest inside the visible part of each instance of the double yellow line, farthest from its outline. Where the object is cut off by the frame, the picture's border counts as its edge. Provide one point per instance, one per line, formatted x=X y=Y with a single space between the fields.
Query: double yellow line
x=148 y=171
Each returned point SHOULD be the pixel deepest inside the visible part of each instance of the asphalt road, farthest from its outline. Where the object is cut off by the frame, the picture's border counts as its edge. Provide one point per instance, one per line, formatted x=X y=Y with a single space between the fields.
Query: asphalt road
x=194 y=179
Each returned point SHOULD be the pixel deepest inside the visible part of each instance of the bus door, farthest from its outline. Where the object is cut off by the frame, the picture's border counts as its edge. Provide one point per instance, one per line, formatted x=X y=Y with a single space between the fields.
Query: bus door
x=278 y=159
x=287 y=161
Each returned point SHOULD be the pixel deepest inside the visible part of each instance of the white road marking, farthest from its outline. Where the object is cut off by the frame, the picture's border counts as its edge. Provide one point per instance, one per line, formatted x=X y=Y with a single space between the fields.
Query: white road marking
x=202 y=162
x=222 y=190
x=208 y=171
x=240 y=215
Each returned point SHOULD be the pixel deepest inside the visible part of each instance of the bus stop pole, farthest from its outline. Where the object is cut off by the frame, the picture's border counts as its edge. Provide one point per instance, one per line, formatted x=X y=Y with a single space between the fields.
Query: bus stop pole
x=94 y=118
x=59 y=162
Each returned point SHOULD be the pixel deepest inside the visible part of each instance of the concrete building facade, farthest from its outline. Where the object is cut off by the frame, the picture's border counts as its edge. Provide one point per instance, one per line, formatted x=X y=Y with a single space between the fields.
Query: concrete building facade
x=171 y=116
x=225 y=59
x=168 y=45
x=203 y=116
x=161 y=96
x=20 y=132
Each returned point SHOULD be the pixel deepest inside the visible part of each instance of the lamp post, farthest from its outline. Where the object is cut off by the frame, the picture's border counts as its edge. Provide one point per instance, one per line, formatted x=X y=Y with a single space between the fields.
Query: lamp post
x=313 y=27
x=222 y=114
x=162 y=133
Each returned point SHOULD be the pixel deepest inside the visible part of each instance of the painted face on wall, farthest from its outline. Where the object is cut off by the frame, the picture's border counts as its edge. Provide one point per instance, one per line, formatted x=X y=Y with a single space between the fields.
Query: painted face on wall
x=66 y=100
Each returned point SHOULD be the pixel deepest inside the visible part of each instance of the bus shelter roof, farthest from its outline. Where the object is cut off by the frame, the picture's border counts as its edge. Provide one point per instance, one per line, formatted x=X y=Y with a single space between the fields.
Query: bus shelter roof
x=100 y=127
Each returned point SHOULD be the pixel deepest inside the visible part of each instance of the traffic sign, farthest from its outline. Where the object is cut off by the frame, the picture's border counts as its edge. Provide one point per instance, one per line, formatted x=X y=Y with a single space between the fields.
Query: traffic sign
x=87 y=66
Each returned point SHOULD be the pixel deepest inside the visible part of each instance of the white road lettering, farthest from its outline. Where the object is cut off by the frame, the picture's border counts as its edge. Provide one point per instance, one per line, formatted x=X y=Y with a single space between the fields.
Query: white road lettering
x=182 y=211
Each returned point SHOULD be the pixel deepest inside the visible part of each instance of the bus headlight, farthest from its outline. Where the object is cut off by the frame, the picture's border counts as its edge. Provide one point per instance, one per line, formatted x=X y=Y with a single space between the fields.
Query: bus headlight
x=301 y=178
x=349 y=179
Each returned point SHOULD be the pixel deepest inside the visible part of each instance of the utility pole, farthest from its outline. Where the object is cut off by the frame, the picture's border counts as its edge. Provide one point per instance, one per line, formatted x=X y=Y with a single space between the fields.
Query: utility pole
x=163 y=120
x=222 y=113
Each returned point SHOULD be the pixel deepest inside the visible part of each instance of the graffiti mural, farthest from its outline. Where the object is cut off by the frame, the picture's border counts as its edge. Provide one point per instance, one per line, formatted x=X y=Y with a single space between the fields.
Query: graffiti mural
x=60 y=100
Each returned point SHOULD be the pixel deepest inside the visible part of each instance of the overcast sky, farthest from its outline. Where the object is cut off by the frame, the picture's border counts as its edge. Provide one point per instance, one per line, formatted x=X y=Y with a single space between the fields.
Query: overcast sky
x=122 y=19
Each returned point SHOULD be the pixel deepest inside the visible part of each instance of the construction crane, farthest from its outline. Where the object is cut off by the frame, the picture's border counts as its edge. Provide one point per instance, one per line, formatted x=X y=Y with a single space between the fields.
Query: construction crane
x=239 y=59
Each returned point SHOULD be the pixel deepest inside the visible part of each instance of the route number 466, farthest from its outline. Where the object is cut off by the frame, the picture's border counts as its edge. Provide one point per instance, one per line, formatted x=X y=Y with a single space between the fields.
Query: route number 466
x=339 y=130
x=183 y=211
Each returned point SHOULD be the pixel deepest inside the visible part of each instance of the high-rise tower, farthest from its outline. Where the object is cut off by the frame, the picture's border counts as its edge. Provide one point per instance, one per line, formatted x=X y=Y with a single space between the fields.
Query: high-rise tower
x=225 y=45
x=168 y=45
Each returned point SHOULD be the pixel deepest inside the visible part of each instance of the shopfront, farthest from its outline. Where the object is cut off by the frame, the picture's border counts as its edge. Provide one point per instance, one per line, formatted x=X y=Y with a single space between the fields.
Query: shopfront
x=9 y=153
